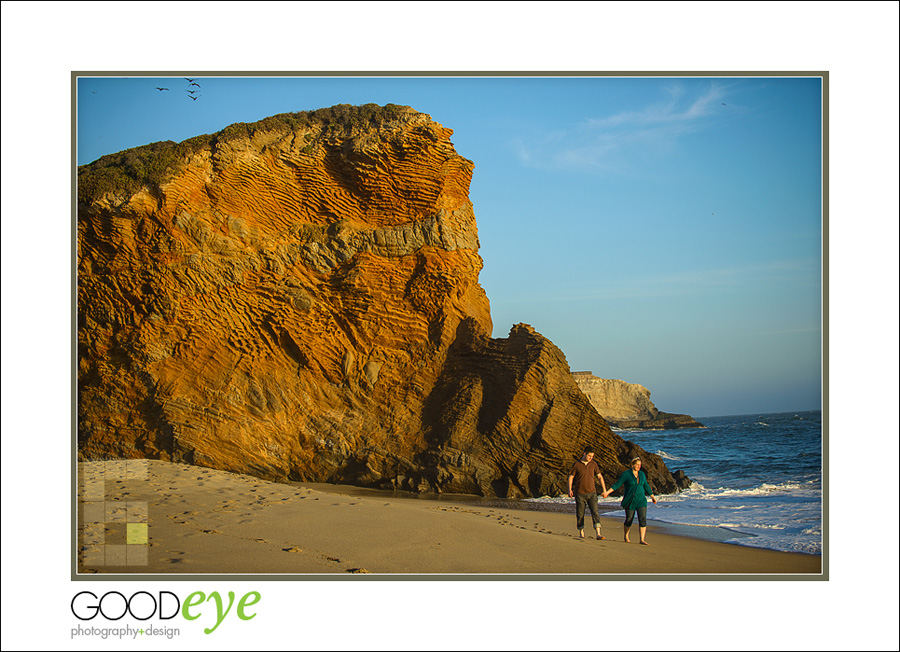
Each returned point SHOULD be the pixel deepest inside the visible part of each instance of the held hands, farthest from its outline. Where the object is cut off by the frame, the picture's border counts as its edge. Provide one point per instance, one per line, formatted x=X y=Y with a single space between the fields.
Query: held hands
x=653 y=498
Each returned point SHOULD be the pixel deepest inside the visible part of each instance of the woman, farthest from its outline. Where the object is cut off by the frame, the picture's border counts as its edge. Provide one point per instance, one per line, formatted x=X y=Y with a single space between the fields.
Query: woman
x=635 y=499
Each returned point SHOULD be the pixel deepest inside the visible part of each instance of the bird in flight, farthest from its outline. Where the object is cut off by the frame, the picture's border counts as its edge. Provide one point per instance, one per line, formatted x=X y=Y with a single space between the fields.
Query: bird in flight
x=193 y=97
x=192 y=92
x=161 y=89
x=189 y=79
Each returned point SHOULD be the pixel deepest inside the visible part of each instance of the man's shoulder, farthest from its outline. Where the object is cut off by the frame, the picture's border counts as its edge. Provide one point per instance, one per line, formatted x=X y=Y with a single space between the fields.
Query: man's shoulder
x=579 y=465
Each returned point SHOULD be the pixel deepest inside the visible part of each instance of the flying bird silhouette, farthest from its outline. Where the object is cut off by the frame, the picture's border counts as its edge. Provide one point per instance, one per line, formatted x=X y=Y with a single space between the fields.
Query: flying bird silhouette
x=196 y=84
x=189 y=79
x=192 y=97
x=161 y=89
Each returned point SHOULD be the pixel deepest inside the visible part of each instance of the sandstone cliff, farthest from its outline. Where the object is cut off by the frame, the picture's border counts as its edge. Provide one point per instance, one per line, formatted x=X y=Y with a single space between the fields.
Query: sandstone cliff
x=298 y=299
x=628 y=405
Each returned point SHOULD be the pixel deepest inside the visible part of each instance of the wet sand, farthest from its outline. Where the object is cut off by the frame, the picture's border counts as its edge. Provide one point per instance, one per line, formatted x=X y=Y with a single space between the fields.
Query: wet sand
x=153 y=517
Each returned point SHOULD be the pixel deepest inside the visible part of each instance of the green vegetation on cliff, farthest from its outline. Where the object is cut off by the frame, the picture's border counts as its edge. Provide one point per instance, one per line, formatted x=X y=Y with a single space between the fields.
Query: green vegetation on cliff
x=128 y=171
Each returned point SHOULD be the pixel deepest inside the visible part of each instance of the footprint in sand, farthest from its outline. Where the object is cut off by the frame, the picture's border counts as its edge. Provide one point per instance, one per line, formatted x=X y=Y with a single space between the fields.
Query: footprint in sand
x=294 y=549
x=356 y=570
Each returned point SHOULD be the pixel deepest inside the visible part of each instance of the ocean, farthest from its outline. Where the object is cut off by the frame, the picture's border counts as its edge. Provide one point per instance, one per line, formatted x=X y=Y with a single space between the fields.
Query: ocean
x=757 y=481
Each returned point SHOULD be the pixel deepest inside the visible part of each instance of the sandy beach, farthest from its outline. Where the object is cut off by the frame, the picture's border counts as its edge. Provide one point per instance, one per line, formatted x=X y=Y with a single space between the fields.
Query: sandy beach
x=154 y=517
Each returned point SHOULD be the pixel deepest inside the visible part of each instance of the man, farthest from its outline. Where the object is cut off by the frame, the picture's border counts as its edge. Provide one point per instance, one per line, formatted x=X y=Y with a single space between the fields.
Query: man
x=581 y=486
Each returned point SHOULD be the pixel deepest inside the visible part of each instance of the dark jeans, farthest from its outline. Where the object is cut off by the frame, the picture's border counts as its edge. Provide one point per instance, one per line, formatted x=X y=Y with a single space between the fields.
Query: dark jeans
x=587 y=499
x=642 y=516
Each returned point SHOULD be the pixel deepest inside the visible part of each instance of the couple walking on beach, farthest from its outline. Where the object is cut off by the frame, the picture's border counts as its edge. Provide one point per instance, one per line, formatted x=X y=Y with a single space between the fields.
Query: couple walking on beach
x=582 y=487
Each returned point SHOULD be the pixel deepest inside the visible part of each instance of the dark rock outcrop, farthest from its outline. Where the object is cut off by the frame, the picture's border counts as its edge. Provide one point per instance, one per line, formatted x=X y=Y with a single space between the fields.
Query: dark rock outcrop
x=662 y=421
x=628 y=405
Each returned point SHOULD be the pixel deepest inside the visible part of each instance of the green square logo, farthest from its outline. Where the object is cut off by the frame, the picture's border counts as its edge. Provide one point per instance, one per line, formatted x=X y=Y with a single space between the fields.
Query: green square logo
x=136 y=533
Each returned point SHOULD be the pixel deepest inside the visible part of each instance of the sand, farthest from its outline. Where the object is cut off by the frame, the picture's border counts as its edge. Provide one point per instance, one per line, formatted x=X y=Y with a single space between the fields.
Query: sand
x=159 y=518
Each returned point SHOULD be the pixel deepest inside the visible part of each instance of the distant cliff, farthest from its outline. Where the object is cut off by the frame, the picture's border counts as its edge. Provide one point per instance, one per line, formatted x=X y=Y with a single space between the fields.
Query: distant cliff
x=628 y=405
x=298 y=299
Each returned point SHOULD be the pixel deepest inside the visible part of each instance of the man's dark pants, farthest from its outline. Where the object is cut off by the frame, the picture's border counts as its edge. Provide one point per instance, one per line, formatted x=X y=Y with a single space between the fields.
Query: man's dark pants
x=590 y=500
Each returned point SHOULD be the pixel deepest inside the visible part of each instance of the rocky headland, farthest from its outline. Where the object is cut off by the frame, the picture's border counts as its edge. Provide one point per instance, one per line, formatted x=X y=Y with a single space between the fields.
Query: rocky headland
x=298 y=299
x=628 y=405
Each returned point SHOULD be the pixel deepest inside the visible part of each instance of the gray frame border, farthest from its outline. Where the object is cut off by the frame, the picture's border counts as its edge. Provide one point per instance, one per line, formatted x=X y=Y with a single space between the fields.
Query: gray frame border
x=75 y=576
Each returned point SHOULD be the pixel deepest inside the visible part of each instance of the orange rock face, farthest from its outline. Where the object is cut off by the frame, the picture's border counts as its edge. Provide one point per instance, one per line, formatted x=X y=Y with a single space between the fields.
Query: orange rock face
x=299 y=299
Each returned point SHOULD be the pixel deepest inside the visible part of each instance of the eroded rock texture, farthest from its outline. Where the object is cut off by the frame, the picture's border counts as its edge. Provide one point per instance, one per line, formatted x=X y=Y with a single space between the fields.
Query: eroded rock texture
x=298 y=299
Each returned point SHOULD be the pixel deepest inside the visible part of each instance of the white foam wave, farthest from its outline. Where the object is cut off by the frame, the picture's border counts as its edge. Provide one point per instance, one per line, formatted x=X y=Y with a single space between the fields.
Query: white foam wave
x=551 y=499
x=698 y=492
x=783 y=544
x=669 y=456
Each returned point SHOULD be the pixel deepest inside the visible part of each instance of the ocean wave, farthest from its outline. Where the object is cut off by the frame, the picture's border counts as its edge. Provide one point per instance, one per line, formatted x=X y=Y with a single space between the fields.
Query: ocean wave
x=669 y=456
x=550 y=499
x=810 y=547
x=697 y=491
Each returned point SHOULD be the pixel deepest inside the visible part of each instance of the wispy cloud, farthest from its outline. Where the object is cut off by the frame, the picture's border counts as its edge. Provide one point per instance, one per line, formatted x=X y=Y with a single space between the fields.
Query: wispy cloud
x=607 y=143
x=677 y=108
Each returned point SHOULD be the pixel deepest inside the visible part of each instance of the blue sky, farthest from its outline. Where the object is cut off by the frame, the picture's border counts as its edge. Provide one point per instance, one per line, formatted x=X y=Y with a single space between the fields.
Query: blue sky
x=661 y=230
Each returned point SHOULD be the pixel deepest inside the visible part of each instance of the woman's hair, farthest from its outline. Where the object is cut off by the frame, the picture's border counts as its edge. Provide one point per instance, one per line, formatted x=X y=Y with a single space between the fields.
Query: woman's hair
x=636 y=459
